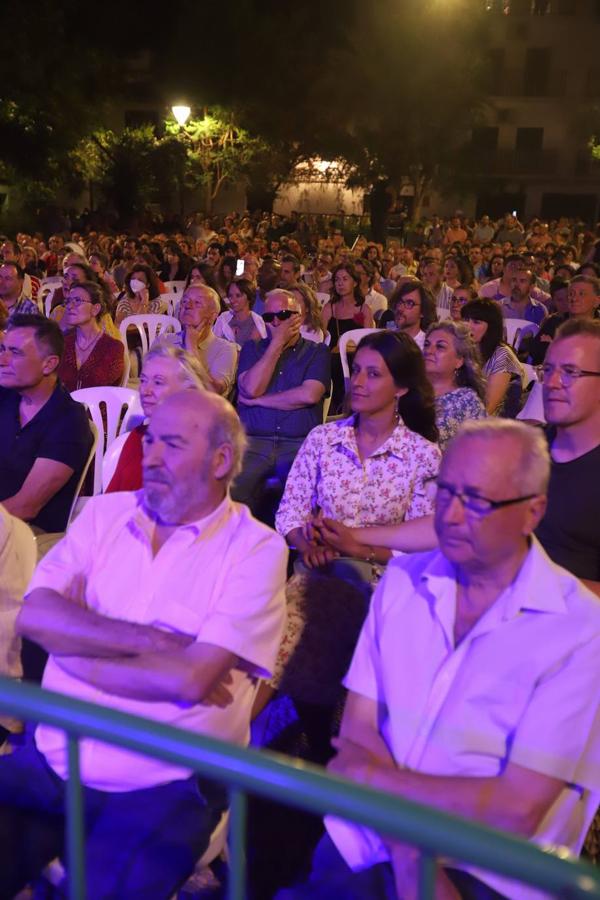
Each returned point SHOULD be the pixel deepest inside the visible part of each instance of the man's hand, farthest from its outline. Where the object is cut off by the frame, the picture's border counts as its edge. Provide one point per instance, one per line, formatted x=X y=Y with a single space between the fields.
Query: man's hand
x=339 y=538
x=355 y=761
x=285 y=332
x=219 y=695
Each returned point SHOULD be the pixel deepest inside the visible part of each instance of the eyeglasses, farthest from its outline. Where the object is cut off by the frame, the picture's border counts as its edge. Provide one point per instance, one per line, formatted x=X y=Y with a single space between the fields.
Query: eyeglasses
x=460 y=300
x=407 y=304
x=567 y=374
x=282 y=315
x=472 y=502
x=76 y=301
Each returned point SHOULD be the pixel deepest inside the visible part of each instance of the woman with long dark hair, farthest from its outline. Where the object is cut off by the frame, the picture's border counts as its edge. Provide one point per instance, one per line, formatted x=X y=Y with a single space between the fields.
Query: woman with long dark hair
x=345 y=311
x=501 y=367
x=375 y=467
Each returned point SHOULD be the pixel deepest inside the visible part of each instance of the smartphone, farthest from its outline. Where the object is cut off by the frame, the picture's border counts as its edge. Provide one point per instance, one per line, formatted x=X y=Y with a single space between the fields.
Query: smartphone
x=239 y=268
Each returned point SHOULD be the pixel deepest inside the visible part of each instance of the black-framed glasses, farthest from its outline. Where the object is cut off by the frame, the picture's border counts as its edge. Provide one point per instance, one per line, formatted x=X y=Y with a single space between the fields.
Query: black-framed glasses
x=282 y=315
x=473 y=502
x=77 y=301
x=460 y=300
x=567 y=374
x=407 y=304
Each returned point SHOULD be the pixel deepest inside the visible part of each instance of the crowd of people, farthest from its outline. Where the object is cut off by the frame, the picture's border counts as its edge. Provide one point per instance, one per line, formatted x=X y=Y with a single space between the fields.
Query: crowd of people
x=444 y=556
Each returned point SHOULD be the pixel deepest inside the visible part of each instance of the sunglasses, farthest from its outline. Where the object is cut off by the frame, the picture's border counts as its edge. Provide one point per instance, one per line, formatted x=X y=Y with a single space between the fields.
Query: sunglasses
x=282 y=315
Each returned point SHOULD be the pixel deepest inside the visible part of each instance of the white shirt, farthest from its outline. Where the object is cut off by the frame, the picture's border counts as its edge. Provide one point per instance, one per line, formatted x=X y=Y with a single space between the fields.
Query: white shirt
x=521 y=687
x=221 y=578
x=375 y=301
x=223 y=329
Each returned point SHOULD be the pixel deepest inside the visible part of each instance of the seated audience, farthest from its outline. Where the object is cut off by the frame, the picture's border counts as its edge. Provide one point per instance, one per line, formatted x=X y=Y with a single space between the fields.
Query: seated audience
x=165 y=370
x=502 y=369
x=519 y=760
x=430 y=272
x=375 y=300
x=180 y=636
x=176 y=263
x=521 y=304
x=11 y=291
x=46 y=438
x=282 y=381
x=453 y=368
x=91 y=357
x=412 y=310
x=141 y=295
x=198 y=311
x=582 y=295
x=240 y=324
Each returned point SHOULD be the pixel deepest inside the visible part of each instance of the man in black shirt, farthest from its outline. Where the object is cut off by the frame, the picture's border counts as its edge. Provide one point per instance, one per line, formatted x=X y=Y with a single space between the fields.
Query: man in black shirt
x=45 y=435
x=570 y=529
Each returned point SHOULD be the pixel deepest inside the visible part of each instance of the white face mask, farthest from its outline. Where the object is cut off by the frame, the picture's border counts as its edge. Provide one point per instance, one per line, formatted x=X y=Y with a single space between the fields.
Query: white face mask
x=136 y=285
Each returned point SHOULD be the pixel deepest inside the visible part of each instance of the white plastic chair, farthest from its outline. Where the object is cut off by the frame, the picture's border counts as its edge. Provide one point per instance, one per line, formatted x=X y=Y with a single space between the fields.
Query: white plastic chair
x=174 y=287
x=118 y=405
x=516 y=329
x=530 y=374
x=149 y=327
x=24 y=548
x=351 y=337
x=322 y=297
x=533 y=411
x=47 y=299
x=111 y=458
x=171 y=301
x=327 y=402
x=442 y=313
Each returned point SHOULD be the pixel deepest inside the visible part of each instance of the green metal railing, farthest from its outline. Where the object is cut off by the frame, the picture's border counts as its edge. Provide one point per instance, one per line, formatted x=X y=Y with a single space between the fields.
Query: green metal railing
x=293 y=783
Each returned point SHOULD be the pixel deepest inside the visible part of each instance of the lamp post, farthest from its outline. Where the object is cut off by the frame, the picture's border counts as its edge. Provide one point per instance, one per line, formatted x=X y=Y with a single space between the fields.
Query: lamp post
x=181 y=113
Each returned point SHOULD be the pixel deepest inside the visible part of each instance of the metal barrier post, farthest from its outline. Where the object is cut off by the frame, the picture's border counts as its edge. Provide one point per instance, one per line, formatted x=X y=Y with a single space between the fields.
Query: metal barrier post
x=237 y=843
x=75 y=824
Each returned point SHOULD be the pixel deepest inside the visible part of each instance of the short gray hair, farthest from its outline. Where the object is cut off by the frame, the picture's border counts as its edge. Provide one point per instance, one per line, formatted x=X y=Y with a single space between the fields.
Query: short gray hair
x=282 y=291
x=531 y=471
x=192 y=372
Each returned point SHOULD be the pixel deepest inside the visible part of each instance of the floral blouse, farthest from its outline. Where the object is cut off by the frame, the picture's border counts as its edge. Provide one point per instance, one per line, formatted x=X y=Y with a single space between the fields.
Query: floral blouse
x=394 y=483
x=453 y=408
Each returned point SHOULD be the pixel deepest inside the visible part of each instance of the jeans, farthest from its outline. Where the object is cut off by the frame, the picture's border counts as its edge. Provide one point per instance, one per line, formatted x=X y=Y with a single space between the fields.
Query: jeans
x=138 y=844
x=267 y=459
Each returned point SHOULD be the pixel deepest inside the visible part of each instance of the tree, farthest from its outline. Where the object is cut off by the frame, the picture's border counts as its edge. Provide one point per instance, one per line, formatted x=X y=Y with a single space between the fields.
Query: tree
x=405 y=89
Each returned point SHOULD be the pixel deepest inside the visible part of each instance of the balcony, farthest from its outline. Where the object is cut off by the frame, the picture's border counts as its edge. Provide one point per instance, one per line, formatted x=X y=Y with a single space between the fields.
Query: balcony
x=519 y=83
x=518 y=163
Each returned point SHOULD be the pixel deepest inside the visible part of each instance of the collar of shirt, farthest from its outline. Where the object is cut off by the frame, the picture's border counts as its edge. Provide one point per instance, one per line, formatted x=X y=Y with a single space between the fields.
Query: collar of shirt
x=142 y=524
x=536 y=588
x=345 y=435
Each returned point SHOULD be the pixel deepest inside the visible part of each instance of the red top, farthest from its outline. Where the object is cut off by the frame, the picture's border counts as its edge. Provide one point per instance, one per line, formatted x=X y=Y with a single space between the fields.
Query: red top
x=103 y=367
x=128 y=474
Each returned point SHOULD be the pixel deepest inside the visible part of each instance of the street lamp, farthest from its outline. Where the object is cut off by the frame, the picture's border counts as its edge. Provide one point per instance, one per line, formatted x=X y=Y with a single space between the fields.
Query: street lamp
x=181 y=113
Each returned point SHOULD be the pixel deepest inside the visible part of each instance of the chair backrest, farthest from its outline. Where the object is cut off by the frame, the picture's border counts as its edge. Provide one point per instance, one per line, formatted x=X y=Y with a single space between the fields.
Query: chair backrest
x=322 y=297
x=111 y=458
x=533 y=408
x=175 y=287
x=92 y=455
x=47 y=298
x=442 y=313
x=327 y=338
x=53 y=280
x=351 y=337
x=149 y=327
x=171 y=301
x=327 y=402
x=530 y=374
x=109 y=408
x=25 y=548
x=516 y=329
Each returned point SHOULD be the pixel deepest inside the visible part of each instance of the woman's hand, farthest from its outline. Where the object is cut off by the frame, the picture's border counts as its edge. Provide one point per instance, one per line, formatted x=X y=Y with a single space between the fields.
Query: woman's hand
x=316 y=555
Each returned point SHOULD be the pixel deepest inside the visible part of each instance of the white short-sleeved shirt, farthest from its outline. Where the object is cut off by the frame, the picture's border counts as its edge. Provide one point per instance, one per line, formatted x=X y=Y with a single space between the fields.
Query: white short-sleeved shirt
x=521 y=687
x=221 y=578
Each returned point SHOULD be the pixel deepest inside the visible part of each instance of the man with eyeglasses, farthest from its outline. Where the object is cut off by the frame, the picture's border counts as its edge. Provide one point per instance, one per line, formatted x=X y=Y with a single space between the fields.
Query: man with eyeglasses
x=570 y=530
x=282 y=381
x=474 y=684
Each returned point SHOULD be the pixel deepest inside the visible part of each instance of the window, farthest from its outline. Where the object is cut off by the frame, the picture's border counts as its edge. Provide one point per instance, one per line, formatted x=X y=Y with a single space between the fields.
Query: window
x=485 y=140
x=529 y=140
x=495 y=71
x=537 y=72
x=592 y=83
x=567 y=7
